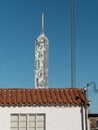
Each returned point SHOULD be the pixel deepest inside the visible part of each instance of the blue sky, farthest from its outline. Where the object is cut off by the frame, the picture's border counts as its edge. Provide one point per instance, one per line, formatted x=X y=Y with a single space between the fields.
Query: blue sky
x=20 y=25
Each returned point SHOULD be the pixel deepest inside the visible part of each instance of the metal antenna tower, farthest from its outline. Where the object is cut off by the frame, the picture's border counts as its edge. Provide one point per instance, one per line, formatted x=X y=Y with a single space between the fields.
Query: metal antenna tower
x=73 y=55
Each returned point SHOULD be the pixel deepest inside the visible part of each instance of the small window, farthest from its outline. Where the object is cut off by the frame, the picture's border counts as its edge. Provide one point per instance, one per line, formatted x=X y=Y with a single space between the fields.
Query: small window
x=27 y=121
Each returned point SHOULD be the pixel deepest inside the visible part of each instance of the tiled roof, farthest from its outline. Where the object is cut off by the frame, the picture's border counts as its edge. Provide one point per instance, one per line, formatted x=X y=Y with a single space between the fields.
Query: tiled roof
x=63 y=96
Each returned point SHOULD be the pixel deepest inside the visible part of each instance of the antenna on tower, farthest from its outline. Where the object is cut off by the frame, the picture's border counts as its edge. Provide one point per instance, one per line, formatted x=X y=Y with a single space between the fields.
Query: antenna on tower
x=73 y=55
x=42 y=23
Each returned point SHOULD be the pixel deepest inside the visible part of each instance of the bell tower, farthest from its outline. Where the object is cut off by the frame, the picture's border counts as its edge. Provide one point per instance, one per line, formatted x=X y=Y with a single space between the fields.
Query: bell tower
x=41 y=59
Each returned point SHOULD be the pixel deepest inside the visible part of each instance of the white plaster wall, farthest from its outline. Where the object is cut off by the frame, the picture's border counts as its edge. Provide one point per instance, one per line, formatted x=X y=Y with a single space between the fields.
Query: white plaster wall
x=57 y=118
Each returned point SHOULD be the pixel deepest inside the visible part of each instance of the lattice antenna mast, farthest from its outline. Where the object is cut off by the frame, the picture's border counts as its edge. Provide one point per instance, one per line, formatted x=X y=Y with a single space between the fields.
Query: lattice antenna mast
x=73 y=55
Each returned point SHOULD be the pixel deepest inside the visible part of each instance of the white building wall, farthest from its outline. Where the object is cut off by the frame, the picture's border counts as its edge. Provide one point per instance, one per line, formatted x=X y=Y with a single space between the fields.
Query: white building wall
x=57 y=118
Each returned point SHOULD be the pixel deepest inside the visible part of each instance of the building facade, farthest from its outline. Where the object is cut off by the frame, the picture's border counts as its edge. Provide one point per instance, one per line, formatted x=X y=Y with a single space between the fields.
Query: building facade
x=42 y=109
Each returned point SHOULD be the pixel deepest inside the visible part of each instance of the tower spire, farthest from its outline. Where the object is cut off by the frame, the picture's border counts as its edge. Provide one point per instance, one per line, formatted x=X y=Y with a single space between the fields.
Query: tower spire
x=42 y=23
x=41 y=59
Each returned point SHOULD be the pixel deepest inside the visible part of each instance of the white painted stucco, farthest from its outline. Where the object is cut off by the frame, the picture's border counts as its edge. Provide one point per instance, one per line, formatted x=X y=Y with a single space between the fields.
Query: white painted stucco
x=57 y=118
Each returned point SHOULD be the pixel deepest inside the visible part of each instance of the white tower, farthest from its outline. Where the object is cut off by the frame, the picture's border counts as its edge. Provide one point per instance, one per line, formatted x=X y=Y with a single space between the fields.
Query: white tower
x=41 y=59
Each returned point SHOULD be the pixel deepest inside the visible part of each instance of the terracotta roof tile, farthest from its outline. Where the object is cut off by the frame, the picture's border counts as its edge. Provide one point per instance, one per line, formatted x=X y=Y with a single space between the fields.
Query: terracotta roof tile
x=57 y=94
x=43 y=96
x=18 y=96
x=52 y=96
x=23 y=99
x=8 y=100
x=28 y=97
x=13 y=97
x=3 y=94
x=68 y=98
x=38 y=96
x=63 y=96
x=48 y=98
x=33 y=97
x=64 y=101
